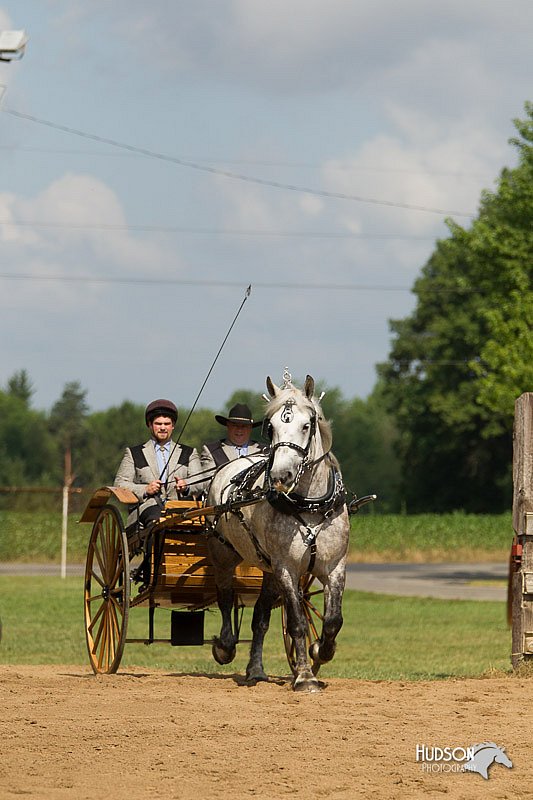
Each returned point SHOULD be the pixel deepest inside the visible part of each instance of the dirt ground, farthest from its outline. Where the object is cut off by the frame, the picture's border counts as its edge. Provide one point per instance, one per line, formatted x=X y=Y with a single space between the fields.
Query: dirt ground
x=66 y=733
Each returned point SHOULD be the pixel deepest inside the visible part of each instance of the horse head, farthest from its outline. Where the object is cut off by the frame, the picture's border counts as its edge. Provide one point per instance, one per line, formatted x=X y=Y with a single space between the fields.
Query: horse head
x=297 y=430
x=502 y=758
x=485 y=754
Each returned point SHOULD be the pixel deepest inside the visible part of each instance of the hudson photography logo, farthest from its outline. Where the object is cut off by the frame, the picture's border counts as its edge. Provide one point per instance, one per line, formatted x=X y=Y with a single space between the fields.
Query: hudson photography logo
x=476 y=758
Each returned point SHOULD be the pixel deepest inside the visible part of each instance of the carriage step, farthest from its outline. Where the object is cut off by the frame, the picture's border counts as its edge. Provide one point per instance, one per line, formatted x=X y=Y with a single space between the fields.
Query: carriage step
x=187 y=628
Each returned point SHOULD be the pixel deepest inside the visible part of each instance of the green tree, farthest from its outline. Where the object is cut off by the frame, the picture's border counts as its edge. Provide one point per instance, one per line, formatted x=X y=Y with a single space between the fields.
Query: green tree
x=462 y=357
x=200 y=428
x=68 y=424
x=20 y=385
x=364 y=434
x=108 y=433
x=27 y=452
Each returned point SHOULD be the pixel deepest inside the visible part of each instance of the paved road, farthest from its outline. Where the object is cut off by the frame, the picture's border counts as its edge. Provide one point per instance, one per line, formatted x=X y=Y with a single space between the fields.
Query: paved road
x=14 y=568
x=446 y=581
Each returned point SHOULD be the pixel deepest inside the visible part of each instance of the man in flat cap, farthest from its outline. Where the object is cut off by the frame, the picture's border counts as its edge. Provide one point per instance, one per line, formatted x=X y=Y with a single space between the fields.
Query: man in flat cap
x=159 y=469
x=236 y=443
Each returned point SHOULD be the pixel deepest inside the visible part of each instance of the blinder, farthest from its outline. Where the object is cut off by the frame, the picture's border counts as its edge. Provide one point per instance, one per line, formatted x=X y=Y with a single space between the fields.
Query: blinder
x=267 y=429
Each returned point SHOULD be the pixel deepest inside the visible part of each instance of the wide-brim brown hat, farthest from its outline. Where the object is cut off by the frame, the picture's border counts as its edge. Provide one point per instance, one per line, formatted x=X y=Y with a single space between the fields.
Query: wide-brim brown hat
x=240 y=414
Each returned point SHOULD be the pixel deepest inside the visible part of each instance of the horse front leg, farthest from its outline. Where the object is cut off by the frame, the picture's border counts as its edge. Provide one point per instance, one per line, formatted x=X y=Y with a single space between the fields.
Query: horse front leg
x=304 y=679
x=224 y=561
x=324 y=648
x=270 y=592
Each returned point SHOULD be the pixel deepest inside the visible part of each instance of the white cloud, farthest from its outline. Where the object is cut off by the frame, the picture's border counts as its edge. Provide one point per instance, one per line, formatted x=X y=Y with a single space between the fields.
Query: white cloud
x=82 y=233
x=308 y=45
x=420 y=165
x=311 y=205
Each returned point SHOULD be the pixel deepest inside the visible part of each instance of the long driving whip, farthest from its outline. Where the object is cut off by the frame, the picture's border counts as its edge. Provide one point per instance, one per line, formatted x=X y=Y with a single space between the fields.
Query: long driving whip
x=246 y=296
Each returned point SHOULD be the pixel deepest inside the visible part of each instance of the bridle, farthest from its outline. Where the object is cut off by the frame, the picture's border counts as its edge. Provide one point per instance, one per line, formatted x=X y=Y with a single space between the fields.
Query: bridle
x=306 y=463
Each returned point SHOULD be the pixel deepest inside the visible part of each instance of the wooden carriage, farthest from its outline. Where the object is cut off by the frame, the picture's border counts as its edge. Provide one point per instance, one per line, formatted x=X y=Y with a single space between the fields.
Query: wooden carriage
x=181 y=578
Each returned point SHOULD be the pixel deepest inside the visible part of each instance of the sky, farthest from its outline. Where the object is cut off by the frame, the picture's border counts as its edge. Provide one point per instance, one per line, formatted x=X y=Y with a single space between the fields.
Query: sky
x=158 y=158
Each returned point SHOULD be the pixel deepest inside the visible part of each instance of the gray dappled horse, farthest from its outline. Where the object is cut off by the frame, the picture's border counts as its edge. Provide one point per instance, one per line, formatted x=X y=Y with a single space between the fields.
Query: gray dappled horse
x=298 y=525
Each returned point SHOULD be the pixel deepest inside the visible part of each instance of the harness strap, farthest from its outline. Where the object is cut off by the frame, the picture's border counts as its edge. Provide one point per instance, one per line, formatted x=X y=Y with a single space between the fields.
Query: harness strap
x=310 y=542
x=218 y=536
x=261 y=555
x=309 y=538
x=334 y=497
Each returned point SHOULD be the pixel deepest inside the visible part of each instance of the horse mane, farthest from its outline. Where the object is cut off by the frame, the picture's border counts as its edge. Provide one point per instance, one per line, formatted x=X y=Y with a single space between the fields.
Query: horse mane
x=324 y=425
x=486 y=746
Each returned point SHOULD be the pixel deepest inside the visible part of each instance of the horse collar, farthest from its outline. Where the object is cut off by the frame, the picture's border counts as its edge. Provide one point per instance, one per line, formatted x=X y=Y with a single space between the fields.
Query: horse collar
x=334 y=497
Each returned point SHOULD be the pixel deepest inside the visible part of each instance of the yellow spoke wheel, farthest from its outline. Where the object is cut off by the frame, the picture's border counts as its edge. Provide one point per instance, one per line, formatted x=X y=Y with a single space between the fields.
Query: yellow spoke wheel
x=311 y=601
x=107 y=591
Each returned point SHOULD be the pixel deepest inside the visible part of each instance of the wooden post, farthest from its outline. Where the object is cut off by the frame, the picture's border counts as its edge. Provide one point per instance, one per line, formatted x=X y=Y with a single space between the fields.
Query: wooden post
x=67 y=483
x=521 y=567
x=64 y=533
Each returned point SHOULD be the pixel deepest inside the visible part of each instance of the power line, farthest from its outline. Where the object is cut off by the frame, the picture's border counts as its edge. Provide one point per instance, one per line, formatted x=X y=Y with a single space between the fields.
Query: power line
x=213 y=231
x=338 y=166
x=233 y=175
x=228 y=284
x=432 y=363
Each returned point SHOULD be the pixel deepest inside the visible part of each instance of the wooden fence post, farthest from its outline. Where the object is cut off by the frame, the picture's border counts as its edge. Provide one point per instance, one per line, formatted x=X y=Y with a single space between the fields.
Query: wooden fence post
x=521 y=567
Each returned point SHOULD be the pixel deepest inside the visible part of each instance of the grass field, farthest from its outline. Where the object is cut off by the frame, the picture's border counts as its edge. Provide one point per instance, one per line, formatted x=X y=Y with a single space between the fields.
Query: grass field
x=383 y=638
x=34 y=536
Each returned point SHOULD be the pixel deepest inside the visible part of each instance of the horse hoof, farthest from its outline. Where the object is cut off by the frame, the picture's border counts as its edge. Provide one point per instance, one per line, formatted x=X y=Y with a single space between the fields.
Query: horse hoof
x=222 y=656
x=306 y=683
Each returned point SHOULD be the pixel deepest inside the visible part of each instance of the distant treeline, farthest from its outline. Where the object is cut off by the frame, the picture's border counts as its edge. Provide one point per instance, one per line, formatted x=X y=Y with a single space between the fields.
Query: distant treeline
x=33 y=443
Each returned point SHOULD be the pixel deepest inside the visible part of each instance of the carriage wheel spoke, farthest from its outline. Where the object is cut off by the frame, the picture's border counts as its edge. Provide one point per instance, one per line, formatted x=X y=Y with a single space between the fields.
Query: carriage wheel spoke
x=101 y=651
x=118 y=572
x=312 y=608
x=112 y=630
x=96 y=617
x=97 y=578
x=100 y=630
x=94 y=598
x=99 y=559
x=116 y=606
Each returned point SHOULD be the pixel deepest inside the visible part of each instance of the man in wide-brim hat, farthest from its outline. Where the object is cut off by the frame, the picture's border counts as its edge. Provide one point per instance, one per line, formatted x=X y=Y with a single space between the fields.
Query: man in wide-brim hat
x=237 y=442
